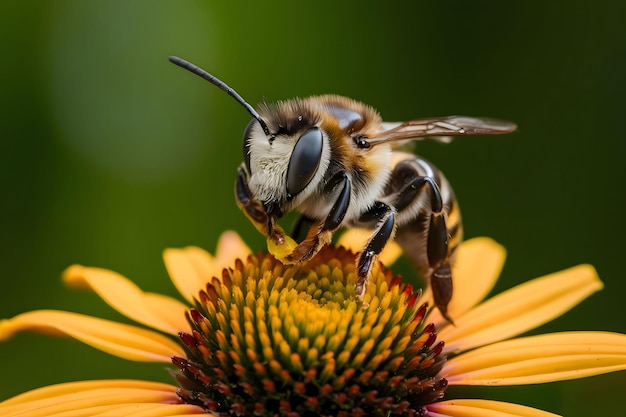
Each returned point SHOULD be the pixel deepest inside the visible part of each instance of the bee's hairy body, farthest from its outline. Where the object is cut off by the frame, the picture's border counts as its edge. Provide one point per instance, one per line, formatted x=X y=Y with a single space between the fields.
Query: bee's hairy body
x=368 y=171
x=333 y=160
x=378 y=177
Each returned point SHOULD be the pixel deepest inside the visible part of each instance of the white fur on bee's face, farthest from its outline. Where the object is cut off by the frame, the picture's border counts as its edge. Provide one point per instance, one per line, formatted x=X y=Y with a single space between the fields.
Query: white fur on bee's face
x=269 y=163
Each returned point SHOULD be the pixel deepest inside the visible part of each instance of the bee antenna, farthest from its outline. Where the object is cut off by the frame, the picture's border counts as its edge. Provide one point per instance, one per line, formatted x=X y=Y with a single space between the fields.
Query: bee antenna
x=222 y=85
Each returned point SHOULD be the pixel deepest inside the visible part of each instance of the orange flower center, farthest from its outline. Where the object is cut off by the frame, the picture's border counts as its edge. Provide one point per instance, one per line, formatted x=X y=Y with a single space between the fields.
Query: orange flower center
x=270 y=339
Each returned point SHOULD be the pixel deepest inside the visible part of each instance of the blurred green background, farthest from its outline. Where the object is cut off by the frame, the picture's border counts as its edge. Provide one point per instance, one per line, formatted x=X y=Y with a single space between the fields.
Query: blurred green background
x=109 y=153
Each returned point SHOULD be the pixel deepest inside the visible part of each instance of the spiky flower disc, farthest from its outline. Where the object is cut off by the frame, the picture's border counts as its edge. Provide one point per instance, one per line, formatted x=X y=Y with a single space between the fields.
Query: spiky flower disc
x=270 y=340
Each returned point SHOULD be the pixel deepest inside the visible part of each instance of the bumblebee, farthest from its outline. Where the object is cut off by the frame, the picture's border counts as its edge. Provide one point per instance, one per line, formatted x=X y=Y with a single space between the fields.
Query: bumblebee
x=335 y=162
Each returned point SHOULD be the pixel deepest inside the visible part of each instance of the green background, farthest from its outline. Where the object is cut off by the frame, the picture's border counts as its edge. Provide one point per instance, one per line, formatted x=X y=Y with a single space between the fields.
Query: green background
x=110 y=154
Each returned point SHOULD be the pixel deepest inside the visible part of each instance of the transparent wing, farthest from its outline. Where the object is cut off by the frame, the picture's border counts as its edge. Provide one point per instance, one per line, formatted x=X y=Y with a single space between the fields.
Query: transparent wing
x=440 y=127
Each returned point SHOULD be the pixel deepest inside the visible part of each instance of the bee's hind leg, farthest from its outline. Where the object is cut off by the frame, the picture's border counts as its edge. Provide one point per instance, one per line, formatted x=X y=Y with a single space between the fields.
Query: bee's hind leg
x=256 y=212
x=437 y=248
x=429 y=227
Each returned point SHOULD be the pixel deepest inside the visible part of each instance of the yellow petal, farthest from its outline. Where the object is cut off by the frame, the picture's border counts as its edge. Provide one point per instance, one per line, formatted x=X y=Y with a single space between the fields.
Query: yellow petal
x=154 y=310
x=538 y=359
x=125 y=341
x=130 y=409
x=483 y=408
x=476 y=269
x=355 y=240
x=192 y=267
x=521 y=308
x=99 y=398
x=54 y=391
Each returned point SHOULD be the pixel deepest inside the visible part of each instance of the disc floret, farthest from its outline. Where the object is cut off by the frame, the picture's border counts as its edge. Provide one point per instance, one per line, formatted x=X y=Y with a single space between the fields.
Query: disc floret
x=270 y=339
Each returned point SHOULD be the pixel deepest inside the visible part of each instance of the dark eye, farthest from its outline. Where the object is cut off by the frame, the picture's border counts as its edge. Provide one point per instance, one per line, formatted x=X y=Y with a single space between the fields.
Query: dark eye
x=304 y=161
x=246 y=143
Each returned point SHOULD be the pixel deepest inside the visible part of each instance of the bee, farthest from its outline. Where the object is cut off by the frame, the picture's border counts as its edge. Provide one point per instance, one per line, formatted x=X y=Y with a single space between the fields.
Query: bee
x=335 y=162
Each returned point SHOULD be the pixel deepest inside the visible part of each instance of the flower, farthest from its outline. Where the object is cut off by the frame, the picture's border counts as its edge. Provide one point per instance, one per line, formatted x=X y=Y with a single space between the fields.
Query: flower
x=268 y=339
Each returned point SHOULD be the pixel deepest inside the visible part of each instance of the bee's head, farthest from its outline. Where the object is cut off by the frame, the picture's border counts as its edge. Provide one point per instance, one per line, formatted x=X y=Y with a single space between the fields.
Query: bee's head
x=287 y=146
x=283 y=149
x=288 y=165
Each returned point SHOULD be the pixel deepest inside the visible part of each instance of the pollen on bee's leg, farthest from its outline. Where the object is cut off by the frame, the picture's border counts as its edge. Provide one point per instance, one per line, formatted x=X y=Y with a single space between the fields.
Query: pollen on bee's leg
x=281 y=251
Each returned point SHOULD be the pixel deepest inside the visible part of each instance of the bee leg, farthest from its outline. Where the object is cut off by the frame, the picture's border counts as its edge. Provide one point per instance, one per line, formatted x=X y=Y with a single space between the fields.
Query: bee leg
x=385 y=229
x=441 y=277
x=321 y=232
x=436 y=237
x=437 y=250
x=255 y=211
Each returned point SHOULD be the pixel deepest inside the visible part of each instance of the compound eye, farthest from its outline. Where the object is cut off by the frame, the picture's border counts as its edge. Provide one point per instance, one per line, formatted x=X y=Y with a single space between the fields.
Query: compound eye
x=247 y=133
x=304 y=161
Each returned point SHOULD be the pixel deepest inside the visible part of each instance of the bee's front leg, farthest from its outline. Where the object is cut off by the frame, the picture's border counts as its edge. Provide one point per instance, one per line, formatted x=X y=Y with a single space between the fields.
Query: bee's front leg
x=256 y=212
x=321 y=233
